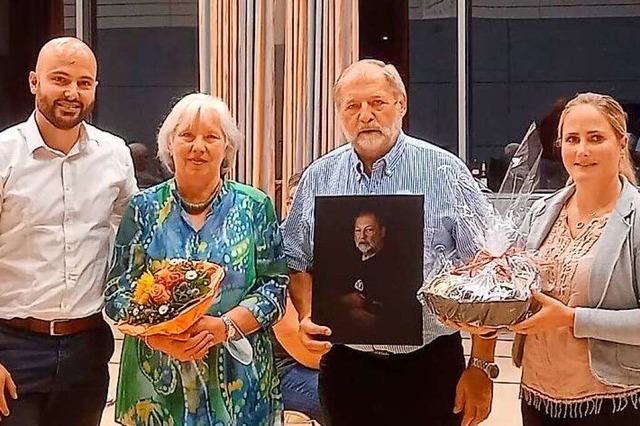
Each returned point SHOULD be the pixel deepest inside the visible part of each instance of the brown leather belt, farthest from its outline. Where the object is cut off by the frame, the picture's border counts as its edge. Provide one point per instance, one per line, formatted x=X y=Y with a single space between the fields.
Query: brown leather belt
x=56 y=327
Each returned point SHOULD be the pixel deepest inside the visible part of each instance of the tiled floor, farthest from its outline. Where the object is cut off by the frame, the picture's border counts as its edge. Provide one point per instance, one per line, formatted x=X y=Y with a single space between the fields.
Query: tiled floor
x=505 y=410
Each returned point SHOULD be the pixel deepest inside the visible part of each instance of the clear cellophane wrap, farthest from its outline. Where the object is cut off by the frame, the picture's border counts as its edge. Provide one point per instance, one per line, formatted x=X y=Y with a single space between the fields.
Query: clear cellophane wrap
x=494 y=288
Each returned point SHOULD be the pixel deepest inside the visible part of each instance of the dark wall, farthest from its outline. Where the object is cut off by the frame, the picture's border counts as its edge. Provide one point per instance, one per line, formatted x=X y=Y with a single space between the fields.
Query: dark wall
x=519 y=68
x=142 y=72
x=384 y=35
x=4 y=57
x=433 y=81
x=25 y=27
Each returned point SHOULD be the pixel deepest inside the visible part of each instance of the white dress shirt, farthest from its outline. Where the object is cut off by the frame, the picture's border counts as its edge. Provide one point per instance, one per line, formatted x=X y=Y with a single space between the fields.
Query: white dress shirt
x=58 y=217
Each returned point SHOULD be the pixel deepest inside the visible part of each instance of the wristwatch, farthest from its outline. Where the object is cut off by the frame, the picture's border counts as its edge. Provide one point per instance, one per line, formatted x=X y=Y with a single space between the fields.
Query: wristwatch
x=229 y=327
x=491 y=369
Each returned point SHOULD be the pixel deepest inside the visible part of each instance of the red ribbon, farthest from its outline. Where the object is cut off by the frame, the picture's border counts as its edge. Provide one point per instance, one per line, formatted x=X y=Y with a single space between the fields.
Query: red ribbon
x=483 y=258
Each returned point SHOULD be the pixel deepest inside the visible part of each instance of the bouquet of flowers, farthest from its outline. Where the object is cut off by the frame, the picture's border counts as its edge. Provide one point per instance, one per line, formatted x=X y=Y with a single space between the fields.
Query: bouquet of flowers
x=494 y=288
x=170 y=296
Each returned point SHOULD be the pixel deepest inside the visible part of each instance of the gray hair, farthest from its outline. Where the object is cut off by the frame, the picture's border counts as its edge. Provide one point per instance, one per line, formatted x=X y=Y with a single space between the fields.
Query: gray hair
x=390 y=72
x=188 y=108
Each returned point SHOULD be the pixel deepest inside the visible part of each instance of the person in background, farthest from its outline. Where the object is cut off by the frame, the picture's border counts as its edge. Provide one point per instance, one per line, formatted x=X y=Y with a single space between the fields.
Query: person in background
x=552 y=175
x=144 y=175
x=297 y=366
x=292 y=185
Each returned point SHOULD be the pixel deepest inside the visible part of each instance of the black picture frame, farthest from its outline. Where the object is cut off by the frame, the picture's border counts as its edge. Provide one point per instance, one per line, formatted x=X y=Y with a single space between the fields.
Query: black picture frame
x=370 y=301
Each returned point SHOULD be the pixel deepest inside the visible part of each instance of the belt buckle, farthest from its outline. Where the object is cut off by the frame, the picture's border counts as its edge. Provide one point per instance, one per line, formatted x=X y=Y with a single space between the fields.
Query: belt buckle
x=52 y=328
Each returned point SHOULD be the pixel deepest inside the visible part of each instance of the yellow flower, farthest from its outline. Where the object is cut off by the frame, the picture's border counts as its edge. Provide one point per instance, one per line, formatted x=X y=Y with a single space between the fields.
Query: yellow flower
x=146 y=279
x=144 y=299
x=144 y=410
x=157 y=265
x=143 y=286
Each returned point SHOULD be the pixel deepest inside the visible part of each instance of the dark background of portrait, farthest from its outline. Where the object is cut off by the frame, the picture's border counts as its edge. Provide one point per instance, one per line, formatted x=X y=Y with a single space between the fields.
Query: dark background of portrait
x=335 y=256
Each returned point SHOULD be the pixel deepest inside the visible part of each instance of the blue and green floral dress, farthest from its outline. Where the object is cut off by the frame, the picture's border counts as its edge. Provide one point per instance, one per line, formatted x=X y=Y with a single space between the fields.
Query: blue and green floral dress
x=241 y=234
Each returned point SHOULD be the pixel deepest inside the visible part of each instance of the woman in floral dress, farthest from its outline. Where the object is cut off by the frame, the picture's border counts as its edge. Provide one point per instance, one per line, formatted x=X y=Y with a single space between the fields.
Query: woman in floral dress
x=194 y=379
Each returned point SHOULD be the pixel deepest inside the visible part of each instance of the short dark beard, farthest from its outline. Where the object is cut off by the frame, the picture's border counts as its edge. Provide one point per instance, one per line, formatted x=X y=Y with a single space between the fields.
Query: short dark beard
x=48 y=111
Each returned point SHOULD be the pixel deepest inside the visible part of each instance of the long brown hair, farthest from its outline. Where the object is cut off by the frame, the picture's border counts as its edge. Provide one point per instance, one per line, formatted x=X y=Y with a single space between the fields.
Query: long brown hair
x=617 y=118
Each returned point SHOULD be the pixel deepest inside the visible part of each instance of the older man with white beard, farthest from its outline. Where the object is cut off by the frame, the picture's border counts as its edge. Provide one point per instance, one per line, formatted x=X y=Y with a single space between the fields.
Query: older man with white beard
x=382 y=385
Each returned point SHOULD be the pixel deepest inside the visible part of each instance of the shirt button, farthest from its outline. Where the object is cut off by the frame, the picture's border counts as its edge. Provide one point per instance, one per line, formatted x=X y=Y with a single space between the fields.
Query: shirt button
x=68 y=247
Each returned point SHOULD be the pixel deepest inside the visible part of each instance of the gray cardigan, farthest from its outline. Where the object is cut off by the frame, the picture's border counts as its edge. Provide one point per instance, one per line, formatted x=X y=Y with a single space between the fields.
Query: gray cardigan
x=611 y=323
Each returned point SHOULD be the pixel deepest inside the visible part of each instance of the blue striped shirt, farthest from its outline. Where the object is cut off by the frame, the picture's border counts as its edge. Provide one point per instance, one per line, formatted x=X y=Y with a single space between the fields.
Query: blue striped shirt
x=412 y=166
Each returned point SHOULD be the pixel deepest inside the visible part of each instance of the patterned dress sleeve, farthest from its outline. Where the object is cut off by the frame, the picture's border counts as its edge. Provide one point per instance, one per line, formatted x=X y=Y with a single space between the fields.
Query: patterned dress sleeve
x=267 y=298
x=128 y=262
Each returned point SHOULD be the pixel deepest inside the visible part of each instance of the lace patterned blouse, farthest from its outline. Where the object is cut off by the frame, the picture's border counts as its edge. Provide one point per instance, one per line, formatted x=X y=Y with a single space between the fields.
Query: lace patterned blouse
x=556 y=374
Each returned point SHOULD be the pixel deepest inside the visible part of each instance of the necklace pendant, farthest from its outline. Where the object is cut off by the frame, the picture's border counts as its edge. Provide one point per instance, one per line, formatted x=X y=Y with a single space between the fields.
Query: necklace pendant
x=579 y=224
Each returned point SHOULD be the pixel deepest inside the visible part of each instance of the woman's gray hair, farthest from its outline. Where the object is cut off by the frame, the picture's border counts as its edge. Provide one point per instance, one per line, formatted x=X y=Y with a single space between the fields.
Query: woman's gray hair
x=188 y=108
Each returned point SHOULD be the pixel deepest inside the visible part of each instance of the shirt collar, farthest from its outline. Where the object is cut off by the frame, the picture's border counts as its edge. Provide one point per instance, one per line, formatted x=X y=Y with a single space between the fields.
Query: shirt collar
x=388 y=163
x=35 y=141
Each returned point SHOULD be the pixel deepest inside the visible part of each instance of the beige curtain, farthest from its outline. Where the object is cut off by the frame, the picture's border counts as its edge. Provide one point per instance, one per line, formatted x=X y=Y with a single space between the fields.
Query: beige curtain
x=237 y=64
x=321 y=40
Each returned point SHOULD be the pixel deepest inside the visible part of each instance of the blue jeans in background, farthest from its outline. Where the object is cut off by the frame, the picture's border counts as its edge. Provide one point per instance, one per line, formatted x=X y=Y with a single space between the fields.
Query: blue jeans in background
x=299 y=386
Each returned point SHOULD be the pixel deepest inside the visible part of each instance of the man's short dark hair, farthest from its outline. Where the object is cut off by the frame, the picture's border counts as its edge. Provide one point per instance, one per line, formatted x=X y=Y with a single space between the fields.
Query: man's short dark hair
x=294 y=180
x=369 y=212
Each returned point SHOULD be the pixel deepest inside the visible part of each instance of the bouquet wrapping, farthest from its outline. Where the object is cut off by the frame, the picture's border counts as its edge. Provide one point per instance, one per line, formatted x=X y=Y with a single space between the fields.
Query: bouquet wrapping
x=171 y=296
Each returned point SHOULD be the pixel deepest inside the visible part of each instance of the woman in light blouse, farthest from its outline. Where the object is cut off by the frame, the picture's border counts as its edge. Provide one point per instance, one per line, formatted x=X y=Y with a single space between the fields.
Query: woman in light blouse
x=581 y=356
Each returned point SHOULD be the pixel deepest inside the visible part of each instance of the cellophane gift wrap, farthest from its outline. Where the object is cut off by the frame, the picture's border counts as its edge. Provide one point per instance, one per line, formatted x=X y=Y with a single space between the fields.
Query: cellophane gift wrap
x=494 y=289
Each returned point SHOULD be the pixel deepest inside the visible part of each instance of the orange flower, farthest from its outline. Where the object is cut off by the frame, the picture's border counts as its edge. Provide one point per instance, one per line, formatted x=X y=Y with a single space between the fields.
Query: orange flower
x=163 y=276
x=205 y=267
x=174 y=279
x=159 y=294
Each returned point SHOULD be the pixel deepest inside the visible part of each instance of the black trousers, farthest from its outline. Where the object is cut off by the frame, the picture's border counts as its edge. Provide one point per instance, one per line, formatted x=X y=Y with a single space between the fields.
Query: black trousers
x=358 y=388
x=61 y=380
x=630 y=416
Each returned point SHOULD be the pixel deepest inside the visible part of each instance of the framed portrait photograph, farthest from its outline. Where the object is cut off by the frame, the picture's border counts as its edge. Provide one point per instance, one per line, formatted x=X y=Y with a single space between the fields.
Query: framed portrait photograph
x=368 y=267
